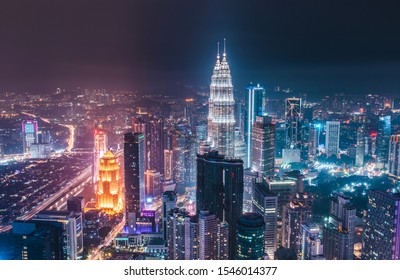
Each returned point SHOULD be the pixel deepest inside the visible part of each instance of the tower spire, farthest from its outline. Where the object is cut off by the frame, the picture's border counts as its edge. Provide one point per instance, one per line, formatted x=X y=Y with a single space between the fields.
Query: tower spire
x=218 y=50
x=224 y=47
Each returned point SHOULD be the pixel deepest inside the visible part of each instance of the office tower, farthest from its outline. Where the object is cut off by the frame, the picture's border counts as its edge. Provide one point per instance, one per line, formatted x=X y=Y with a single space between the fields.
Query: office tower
x=109 y=188
x=394 y=155
x=70 y=223
x=381 y=237
x=284 y=189
x=139 y=125
x=383 y=139
x=280 y=139
x=180 y=157
x=156 y=144
x=182 y=236
x=167 y=164
x=263 y=146
x=292 y=117
x=220 y=190
x=338 y=232
x=250 y=237
x=134 y=176
x=249 y=180
x=35 y=240
x=313 y=141
x=200 y=133
x=265 y=203
x=76 y=204
x=360 y=149
x=240 y=149
x=311 y=242
x=152 y=183
x=254 y=107
x=332 y=138
x=99 y=149
x=221 y=118
x=169 y=199
x=213 y=237
x=29 y=134
x=295 y=213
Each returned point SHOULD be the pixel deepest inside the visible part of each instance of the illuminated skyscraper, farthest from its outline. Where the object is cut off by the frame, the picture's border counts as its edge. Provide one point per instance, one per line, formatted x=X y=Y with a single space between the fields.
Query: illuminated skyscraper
x=220 y=190
x=156 y=144
x=255 y=96
x=292 y=118
x=153 y=183
x=265 y=203
x=394 y=155
x=381 y=239
x=108 y=190
x=168 y=164
x=332 y=138
x=338 y=232
x=360 y=148
x=382 y=140
x=100 y=148
x=134 y=176
x=221 y=118
x=169 y=199
x=311 y=242
x=250 y=237
x=29 y=134
x=263 y=146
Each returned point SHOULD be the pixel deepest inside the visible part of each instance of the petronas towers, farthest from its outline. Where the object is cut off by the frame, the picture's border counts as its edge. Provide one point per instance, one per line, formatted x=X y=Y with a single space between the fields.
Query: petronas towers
x=221 y=119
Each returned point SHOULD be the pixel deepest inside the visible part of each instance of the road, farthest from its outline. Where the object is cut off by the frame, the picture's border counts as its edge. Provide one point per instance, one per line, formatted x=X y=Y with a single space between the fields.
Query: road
x=80 y=179
x=107 y=241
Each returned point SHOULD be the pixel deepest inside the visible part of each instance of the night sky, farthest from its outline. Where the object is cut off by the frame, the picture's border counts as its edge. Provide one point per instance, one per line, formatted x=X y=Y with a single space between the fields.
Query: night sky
x=316 y=47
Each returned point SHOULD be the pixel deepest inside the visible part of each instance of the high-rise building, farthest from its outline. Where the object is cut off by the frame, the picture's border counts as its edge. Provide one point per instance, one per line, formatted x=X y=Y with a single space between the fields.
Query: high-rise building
x=139 y=125
x=265 y=203
x=381 y=236
x=254 y=107
x=338 y=232
x=99 y=149
x=153 y=184
x=182 y=236
x=394 y=155
x=169 y=199
x=240 y=149
x=213 y=237
x=249 y=180
x=280 y=139
x=220 y=190
x=109 y=197
x=221 y=118
x=70 y=223
x=360 y=149
x=156 y=144
x=35 y=240
x=41 y=151
x=293 y=117
x=383 y=139
x=295 y=213
x=263 y=146
x=167 y=164
x=332 y=138
x=29 y=134
x=250 y=237
x=76 y=204
x=134 y=176
x=311 y=242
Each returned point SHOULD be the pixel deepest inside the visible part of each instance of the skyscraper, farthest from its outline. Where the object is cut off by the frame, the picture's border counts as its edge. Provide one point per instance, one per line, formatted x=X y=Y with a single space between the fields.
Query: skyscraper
x=70 y=223
x=295 y=213
x=263 y=146
x=156 y=144
x=169 y=199
x=280 y=139
x=332 y=138
x=254 y=107
x=394 y=155
x=134 y=176
x=99 y=149
x=213 y=237
x=221 y=118
x=360 y=149
x=168 y=164
x=311 y=242
x=292 y=118
x=265 y=203
x=109 y=188
x=220 y=190
x=250 y=237
x=29 y=134
x=382 y=140
x=381 y=238
x=338 y=232
x=153 y=183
